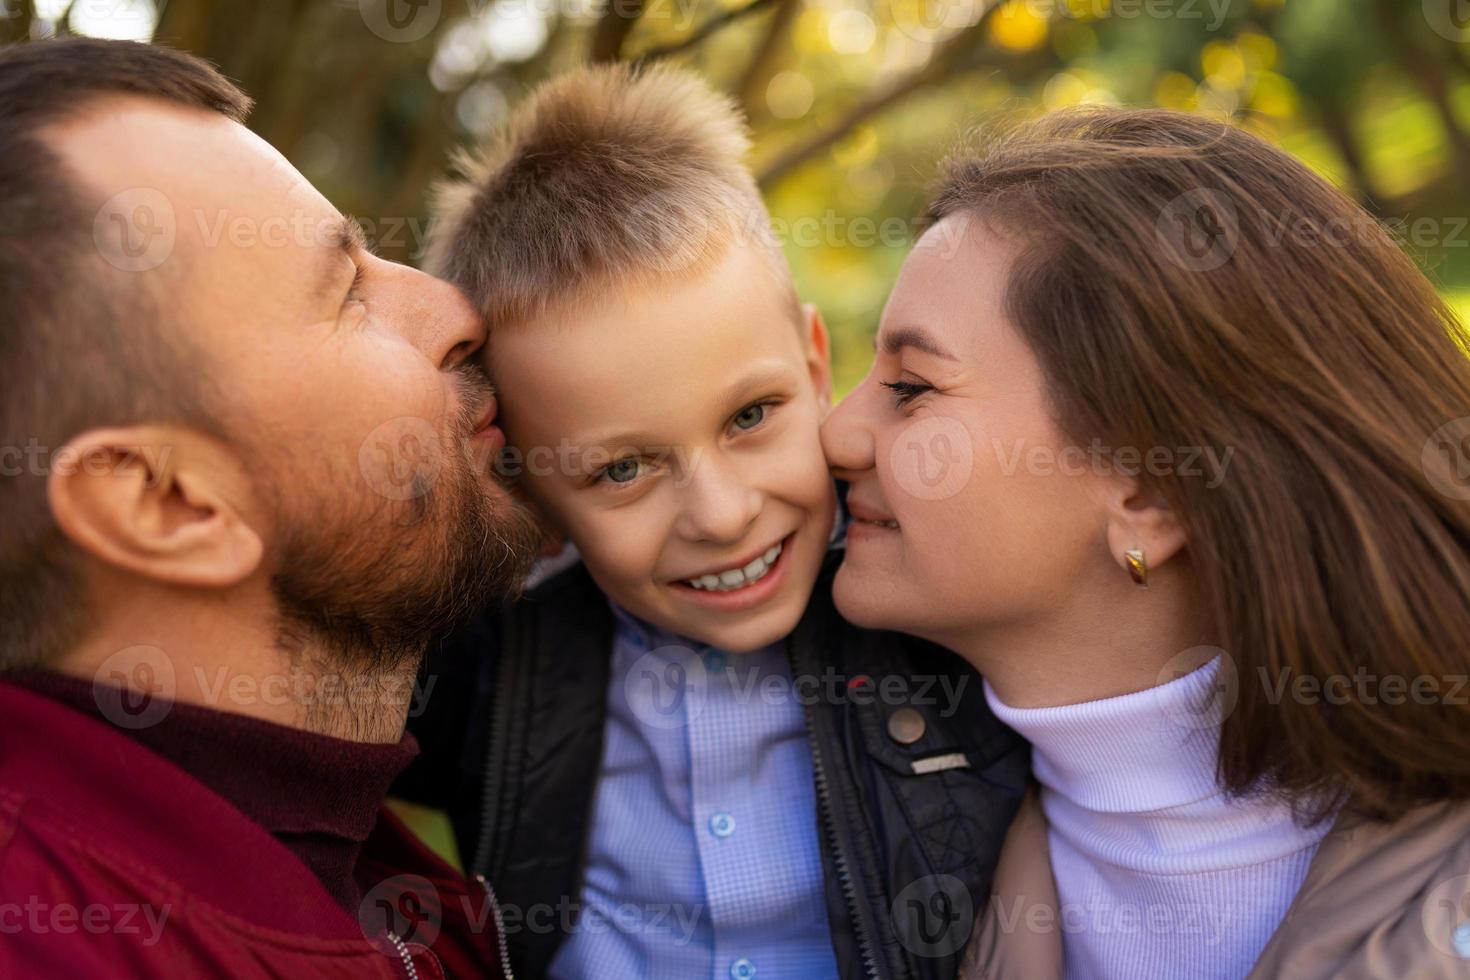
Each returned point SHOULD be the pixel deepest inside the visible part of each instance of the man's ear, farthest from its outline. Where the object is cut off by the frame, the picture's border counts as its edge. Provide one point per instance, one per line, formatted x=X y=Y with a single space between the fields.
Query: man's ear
x=1142 y=519
x=818 y=352
x=157 y=501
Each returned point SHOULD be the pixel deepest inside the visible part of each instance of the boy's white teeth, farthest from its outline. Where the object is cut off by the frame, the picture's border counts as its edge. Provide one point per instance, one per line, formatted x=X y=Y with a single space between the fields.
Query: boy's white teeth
x=739 y=578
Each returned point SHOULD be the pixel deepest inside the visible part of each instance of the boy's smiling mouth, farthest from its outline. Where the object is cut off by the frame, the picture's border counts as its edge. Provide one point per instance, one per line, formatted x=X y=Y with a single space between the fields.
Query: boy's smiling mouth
x=740 y=585
x=738 y=576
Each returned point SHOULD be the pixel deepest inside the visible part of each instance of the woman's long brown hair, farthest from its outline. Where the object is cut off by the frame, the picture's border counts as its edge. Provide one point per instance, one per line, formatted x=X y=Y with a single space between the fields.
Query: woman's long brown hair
x=1187 y=285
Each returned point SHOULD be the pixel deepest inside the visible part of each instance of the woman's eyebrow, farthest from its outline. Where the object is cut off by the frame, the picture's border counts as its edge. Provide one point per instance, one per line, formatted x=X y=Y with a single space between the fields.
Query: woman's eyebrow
x=916 y=337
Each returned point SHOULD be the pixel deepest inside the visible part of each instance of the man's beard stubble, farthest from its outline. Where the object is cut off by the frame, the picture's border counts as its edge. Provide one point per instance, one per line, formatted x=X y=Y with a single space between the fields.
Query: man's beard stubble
x=363 y=596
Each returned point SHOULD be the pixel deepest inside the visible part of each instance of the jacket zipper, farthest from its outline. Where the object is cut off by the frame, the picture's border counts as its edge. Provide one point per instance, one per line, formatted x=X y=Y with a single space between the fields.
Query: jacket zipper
x=403 y=954
x=499 y=927
x=839 y=855
x=490 y=796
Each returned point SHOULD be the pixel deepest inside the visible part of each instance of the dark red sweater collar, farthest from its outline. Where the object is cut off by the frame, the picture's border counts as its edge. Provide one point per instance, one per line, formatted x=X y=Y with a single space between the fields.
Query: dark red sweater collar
x=317 y=795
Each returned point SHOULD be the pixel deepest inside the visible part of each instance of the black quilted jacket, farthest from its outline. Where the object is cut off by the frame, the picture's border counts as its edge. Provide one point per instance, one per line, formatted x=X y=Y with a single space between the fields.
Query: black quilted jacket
x=912 y=810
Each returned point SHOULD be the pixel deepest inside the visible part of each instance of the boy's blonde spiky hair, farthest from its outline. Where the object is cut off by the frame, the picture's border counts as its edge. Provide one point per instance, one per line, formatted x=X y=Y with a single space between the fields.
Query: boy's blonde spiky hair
x=607 y=175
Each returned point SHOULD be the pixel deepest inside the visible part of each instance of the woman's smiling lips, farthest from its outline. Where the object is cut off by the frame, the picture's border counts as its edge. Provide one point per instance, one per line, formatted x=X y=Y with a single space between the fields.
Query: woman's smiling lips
x=729 y=595
x=866 y=518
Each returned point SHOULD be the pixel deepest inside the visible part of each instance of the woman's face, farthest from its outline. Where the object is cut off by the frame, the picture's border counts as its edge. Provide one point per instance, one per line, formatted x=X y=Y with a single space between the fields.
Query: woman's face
x=971 y=513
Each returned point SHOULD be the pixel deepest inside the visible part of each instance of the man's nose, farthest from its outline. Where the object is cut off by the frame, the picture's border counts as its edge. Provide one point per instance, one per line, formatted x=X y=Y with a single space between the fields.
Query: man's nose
x=438 y=319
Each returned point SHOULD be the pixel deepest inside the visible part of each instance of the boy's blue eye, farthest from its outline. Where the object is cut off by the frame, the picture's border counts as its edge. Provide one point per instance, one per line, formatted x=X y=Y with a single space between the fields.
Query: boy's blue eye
x=622 y=471
x=750 y=417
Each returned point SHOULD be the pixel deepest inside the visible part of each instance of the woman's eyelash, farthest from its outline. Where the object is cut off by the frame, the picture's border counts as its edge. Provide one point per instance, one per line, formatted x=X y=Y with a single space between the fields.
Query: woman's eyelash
x=906 y=391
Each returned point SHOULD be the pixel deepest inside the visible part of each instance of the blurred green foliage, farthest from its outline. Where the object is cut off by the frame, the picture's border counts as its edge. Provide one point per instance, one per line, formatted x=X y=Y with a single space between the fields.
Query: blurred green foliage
x=851 y=102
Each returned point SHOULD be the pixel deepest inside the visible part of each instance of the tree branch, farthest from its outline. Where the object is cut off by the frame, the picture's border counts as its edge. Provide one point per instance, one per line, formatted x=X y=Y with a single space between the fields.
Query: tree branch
x=703 y=31
x=748 y=89
x=15 y=24
x=934 y=70
x=613 y=29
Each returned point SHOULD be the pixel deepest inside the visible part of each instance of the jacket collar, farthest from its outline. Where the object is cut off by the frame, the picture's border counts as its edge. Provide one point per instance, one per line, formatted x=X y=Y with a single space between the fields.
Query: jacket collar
x=1375 y=893
x=108 y=791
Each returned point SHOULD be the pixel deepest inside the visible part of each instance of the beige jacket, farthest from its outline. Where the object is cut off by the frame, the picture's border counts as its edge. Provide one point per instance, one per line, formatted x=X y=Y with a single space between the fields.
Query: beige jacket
x=1379 y=901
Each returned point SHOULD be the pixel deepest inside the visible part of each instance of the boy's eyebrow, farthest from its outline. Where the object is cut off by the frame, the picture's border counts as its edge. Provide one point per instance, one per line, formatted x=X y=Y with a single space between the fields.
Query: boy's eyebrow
x=760 y=378
x=916 y=337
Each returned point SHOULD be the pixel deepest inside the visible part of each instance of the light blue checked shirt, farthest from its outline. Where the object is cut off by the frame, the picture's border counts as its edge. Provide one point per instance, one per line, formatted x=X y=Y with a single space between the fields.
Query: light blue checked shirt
x=703 y=858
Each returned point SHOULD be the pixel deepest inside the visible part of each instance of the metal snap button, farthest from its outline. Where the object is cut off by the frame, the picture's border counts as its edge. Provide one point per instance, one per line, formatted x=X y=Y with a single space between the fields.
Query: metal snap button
x=906 y=726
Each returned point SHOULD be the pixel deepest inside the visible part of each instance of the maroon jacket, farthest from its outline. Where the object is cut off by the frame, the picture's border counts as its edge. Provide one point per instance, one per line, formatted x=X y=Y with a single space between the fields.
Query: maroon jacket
x=114 y=862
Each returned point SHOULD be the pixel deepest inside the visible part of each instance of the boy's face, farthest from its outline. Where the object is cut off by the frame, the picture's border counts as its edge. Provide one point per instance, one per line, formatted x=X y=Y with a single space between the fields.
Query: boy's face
x=672 y=434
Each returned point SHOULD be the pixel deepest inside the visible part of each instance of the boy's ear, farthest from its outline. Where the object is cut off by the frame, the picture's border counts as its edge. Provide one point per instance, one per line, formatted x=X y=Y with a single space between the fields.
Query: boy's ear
x=158 y=501
x=818 y=352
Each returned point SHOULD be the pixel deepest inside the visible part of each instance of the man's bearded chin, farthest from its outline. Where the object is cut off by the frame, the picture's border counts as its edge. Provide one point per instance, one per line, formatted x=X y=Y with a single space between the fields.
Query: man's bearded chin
x=363 y=590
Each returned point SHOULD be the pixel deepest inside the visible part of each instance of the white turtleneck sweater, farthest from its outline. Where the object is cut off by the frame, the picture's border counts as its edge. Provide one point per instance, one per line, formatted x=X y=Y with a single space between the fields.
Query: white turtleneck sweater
x=1159 y=874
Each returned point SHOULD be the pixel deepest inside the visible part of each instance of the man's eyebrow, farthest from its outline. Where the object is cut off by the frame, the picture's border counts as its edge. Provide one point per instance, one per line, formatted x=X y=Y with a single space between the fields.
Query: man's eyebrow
x=342 y=236
x=916 y=337
x=345 y=233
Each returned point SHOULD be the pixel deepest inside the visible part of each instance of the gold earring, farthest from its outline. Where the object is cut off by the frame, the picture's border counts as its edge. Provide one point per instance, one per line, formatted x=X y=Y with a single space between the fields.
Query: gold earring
x=1137 y=567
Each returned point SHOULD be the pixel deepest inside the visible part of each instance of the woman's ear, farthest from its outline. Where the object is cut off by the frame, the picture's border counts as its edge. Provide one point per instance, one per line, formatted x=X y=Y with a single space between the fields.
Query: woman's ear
x=157 y=501
x=1141 y=520
x=818 y=352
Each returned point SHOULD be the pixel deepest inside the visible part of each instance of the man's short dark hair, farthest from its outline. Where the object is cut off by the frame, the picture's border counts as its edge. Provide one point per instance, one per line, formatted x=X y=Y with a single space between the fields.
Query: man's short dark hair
x=82 y=343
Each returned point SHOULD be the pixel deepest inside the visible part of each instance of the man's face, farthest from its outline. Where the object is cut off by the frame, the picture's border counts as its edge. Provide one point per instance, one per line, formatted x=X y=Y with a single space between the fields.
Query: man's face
x=345 y=383
x=673 y=435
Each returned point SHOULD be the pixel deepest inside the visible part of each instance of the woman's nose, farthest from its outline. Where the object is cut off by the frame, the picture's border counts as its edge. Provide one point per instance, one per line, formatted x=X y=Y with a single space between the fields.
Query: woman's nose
x=847 y=440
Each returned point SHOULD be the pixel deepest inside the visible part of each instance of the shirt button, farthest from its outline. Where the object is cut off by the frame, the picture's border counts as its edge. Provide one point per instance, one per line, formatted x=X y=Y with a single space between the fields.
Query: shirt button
x=906 y=726
x=742 y=969
x=722 y=825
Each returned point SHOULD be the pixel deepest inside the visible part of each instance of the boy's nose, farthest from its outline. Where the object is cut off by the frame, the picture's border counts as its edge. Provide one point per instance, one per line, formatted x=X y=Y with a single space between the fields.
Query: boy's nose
x=720 y=506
